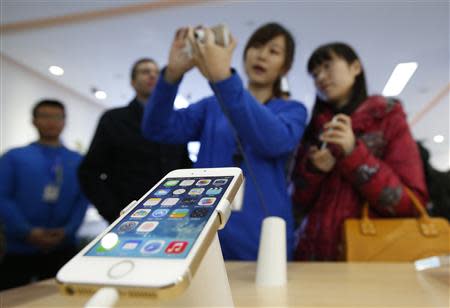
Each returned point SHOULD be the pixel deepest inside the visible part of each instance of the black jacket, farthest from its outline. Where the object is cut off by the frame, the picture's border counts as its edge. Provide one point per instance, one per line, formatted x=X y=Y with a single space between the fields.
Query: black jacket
x=438 y=183
x=121 y=165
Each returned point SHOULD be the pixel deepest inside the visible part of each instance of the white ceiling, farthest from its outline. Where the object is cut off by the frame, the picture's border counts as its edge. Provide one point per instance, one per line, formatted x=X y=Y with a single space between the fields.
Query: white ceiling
x=99 y=52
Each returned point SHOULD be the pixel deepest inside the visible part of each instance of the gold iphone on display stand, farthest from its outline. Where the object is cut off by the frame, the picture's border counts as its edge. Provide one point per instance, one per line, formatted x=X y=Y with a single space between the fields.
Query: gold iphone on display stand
x=154 y=249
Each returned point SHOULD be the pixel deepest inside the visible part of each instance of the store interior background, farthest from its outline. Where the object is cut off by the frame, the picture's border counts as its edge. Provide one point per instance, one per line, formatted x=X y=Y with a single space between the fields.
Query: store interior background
x=96 y=42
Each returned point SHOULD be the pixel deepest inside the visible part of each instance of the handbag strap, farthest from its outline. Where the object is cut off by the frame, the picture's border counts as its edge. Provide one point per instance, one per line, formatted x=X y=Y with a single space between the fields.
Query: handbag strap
x=427 y=227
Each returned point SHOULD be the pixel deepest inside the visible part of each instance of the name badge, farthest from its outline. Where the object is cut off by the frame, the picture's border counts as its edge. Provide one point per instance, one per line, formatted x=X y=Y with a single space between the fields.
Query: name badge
x=51 y=193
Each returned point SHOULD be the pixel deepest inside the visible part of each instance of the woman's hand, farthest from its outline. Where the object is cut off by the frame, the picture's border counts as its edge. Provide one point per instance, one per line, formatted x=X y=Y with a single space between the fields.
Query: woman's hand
x=323 y=160
x=46 y=239
x=179 y=60
x=213 y=61
x=340 y=132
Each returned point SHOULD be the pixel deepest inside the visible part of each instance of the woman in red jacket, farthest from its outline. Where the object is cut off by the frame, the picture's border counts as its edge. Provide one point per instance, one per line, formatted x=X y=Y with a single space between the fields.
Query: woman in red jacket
x=356 y=149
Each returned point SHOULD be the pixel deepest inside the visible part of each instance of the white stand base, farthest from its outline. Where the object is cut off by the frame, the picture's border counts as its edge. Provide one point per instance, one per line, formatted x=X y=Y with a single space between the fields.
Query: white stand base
x=210 y=286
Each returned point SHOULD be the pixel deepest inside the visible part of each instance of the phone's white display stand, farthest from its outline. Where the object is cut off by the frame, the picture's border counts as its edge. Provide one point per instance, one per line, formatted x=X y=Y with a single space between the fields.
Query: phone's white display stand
x=209 y=287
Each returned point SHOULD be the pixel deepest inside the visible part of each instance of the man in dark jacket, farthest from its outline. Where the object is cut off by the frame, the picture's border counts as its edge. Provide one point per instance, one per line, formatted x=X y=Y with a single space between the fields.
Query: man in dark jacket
x=2 y=243
x=121 y=165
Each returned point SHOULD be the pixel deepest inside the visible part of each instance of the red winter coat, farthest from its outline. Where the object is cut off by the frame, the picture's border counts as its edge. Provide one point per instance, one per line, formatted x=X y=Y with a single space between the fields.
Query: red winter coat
x=384 y=160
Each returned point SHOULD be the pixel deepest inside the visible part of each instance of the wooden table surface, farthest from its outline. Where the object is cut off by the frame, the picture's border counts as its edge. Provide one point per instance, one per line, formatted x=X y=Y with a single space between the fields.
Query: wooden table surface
x=309 y=285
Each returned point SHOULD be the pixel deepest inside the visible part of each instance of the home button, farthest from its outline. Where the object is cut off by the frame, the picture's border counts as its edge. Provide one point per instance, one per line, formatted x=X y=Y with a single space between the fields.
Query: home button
x=120 y=269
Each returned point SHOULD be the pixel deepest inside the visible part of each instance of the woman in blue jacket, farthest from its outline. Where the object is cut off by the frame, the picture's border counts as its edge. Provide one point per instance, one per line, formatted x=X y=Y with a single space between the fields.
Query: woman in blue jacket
x=255 y=121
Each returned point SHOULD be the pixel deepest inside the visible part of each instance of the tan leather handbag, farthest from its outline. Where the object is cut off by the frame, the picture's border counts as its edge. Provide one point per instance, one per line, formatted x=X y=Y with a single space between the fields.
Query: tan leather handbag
x=396 y=239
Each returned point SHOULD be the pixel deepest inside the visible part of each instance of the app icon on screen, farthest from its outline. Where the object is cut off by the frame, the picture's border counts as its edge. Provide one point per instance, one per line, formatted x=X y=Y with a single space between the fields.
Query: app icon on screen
x=200 y=212
x=187 y=183
x=152 y=201
x=100 y=248
x=130 y=245
x=140 y=213
x=179 y=213
x=189 y=200
x=147 y=226
x=203 y=182
x=170 y=201
x=207 y=201
x=162 y=192
x=220 y=182
x=196 y=191
x=214 y=191
x=108 y=242
x=179 y=191
x=152 y=246
x=160 y=213
x=171 y=183
x=127 y=226
x=176 y=247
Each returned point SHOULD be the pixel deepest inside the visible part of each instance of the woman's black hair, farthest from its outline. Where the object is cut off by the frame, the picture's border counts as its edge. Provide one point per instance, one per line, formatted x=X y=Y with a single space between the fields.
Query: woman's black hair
x=343 y=51
x=264 y=34
x=359 y=91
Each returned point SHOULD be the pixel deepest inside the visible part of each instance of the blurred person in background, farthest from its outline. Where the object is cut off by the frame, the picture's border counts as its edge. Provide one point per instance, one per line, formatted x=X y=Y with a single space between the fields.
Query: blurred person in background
x=438 y=184
x=2 y=242
x=268 y=126
x=357 y=148
x=41 y=204
x=121 y=165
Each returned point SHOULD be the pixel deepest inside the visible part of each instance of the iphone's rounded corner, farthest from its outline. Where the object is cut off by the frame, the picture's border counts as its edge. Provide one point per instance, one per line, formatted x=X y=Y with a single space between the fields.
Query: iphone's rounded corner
x=177 y=288
x=64 y=288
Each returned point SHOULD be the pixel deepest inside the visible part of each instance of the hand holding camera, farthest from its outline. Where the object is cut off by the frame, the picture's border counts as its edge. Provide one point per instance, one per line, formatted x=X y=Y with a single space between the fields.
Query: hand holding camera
x=209 y=49
x=221 y=37
x=179 y=61
x=213 y=60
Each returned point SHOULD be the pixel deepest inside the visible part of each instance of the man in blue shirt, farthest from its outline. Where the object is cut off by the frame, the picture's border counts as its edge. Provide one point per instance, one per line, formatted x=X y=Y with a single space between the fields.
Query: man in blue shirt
x=41 y=205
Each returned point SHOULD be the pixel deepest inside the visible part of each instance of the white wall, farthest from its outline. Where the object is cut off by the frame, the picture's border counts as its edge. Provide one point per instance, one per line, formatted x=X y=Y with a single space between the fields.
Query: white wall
x=21 y=88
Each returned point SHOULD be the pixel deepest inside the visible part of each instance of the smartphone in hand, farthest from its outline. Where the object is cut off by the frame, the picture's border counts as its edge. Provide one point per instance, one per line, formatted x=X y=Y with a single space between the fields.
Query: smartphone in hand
x=324 y=144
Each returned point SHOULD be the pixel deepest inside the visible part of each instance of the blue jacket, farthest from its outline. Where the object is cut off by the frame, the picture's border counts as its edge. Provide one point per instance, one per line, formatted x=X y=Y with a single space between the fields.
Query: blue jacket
x=24 y=173
x=269 y=133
